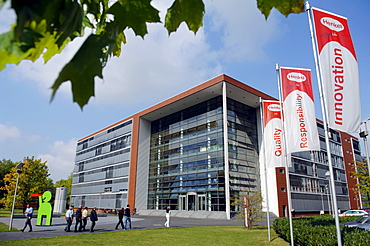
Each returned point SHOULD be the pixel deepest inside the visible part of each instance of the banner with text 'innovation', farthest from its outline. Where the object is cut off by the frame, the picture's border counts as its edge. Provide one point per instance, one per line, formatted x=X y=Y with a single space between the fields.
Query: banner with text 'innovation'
x=299 y=110
x=339 y=70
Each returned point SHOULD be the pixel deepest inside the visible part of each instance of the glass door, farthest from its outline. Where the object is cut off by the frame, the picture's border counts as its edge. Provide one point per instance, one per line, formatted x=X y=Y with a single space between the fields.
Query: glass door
x=202 y=203
x=182 y=202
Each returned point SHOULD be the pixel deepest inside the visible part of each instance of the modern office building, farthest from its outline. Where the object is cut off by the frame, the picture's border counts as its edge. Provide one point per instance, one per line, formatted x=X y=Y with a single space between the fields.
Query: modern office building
x=174 y=153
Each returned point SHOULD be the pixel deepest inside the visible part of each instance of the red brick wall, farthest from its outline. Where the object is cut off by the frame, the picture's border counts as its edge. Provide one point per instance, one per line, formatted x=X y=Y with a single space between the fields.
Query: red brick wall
x=281 y=186
x=349 y=166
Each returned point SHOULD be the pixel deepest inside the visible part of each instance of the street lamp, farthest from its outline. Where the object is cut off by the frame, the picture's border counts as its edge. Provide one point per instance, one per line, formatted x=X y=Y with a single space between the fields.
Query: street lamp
x=363 y=135
x=322 y=199
x=327 y=194
x=328 y=187
x=19 y=171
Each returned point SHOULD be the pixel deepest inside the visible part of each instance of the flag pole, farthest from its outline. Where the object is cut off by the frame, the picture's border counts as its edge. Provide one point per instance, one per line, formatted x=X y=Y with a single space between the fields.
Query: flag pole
x=286 y=161
x=265 y=170
x=324 y=116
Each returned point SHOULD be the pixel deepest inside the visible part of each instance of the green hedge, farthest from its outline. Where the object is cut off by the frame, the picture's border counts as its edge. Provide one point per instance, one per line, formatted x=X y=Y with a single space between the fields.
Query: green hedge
x=320 y=230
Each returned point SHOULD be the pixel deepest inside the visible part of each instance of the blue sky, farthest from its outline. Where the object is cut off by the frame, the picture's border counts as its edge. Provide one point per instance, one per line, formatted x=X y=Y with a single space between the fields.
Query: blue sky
x=235 y=40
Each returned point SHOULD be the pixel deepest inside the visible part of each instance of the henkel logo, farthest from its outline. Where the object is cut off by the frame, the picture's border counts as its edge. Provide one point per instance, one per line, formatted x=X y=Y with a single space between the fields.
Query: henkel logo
x=297 y=77
x=274 y=107
x=332 y=24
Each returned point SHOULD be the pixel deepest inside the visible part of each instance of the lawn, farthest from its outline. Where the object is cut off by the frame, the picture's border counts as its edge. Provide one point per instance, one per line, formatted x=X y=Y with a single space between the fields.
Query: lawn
x=7 y=212
x=5 y=228
x=165 y=236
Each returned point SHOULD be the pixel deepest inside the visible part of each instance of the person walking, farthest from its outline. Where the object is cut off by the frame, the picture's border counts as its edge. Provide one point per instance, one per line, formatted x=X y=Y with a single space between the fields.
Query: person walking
x=93 y=218
x=127 y=217
x=168 y=215
x=28 y=213
x=78 y=219
x=293 y=212
x=121 y=213
x=69 y=218
x=84 y=218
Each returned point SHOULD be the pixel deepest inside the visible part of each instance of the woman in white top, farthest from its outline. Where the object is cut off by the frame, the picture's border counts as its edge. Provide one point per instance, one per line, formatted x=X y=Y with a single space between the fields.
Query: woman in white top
x=168 y=215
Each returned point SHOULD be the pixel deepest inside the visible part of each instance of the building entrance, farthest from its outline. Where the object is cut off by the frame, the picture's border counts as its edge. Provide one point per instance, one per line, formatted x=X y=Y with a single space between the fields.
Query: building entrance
x=192 y=201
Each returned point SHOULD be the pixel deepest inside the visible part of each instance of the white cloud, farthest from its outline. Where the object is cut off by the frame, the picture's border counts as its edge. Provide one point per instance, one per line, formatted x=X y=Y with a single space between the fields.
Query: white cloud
x=7 y=17
x=38 y=73
x=43 y=75
x=15 y=145
x=157 y=67
x=161 y=65
x=60 y=159
x=9 y=133
x=243 y=29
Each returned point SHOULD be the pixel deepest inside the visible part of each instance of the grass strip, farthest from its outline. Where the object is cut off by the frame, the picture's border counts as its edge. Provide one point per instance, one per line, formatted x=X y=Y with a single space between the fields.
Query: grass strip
x=164 y=236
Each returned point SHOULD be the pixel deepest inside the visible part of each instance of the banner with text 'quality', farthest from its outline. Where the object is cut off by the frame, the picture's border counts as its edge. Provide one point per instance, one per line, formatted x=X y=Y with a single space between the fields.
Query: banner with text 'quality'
x=299 y=110
x=339 y=70
x=272 y=143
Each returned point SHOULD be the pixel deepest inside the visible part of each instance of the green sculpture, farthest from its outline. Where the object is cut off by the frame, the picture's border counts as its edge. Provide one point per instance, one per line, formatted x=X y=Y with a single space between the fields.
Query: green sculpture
x=45 y=209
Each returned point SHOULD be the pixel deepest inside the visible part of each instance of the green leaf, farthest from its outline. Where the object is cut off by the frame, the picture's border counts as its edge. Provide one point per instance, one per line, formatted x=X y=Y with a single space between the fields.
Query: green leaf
x=189 y=11
x=14 y=52
x=31 y=45
x=134 y=14
x=82 y=69
x=47 y=44
x=45 y=27
x=285 y=7
x=97 y=8
x=73 y=19
x=116 y=51
x=87 y=22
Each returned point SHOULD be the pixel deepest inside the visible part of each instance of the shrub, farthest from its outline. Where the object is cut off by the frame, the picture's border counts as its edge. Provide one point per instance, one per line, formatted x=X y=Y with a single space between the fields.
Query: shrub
x=319 y=230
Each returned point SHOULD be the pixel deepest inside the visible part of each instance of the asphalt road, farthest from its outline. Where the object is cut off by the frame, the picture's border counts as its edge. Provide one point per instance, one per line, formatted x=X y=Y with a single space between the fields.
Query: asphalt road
x=105 y=224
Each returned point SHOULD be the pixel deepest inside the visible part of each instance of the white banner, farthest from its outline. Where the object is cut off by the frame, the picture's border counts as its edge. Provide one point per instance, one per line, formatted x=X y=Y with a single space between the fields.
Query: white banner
x=299 y=110
x=339 y=70
x=272 y=143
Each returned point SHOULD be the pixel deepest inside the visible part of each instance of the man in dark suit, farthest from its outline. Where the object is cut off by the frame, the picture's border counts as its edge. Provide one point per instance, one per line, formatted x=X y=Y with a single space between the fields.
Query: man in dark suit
x=93 y=218
x=121 y=213
x=128 y=218
x=78 y=219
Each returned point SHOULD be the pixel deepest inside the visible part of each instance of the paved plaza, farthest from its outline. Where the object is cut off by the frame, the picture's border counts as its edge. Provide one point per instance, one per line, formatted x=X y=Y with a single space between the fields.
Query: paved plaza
x=105 y=224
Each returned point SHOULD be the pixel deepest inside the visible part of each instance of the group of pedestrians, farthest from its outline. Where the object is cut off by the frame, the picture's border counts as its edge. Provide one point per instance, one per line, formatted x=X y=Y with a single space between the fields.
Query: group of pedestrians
x=81 y=219
x=124 y=213
x=82 y=215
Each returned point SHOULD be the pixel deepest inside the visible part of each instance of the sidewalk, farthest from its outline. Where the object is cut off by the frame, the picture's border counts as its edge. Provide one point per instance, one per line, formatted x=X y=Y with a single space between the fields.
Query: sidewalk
x=105 y=224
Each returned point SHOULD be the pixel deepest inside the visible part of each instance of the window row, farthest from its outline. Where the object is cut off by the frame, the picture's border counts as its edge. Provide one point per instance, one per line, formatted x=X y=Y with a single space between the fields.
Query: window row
x=173 y=170
x=191 y=112
x=111 y=158
x=165 y=138
x=185 y=150
x=112 y=145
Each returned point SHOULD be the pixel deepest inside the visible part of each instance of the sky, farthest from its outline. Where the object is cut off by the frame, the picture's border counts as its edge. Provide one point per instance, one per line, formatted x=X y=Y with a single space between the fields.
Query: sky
x=235 y=40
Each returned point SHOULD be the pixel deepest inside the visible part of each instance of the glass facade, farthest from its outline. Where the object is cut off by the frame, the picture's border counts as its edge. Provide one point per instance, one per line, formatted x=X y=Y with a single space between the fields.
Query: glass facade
x=186 y=166
x=308 y=174
x=102 y=167
x=243 y=148
x=182 y=159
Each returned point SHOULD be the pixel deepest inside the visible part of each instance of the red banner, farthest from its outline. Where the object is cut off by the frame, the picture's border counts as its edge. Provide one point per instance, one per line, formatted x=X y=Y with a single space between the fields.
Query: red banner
x=299 y=110
x=35 y=195
x=272 y=143
x=339 y=70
